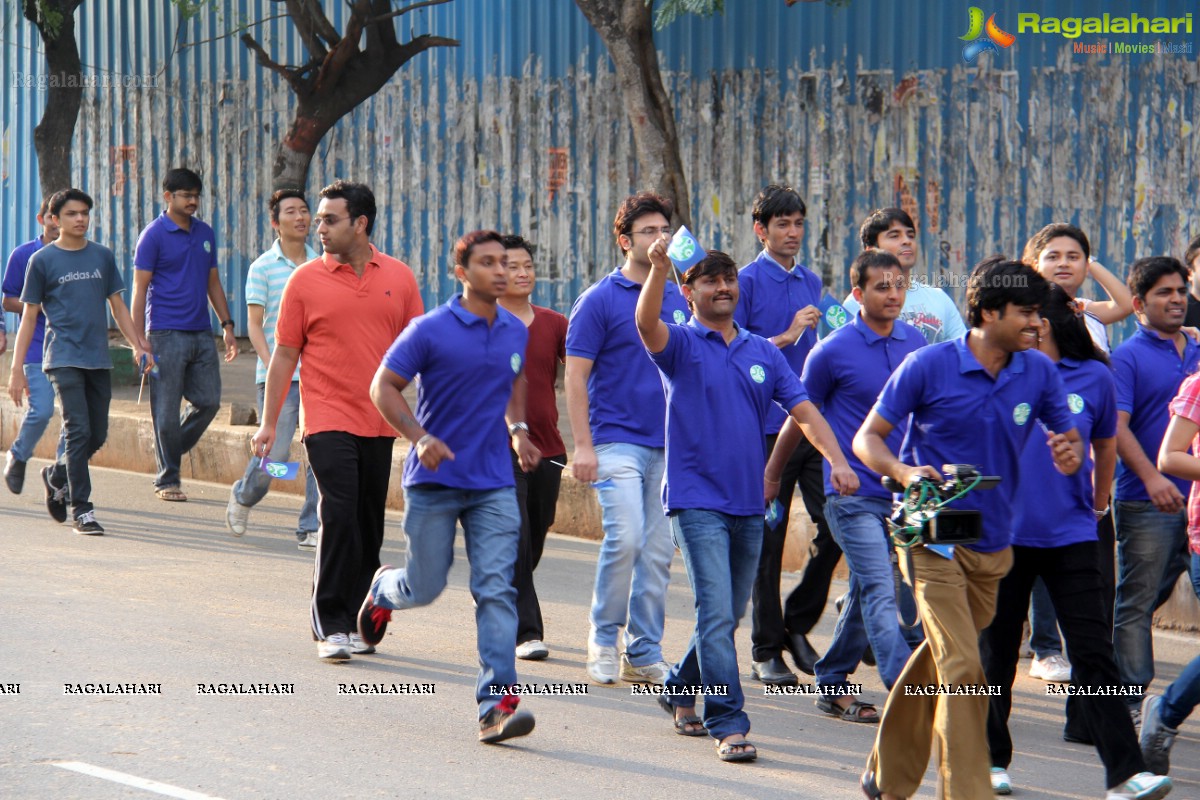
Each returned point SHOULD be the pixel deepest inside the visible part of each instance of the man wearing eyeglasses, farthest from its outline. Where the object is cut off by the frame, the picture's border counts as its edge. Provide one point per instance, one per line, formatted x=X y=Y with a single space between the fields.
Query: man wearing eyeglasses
x=338 y=316
x=175 y=280
x=617 y=410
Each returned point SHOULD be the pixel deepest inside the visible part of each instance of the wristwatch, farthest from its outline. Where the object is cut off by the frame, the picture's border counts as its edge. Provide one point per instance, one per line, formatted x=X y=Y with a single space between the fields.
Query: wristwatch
x=517 y=426
x=227 y=324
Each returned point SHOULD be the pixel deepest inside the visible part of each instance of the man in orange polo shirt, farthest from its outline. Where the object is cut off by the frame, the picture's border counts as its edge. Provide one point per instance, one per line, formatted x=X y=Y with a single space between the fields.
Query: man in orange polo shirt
x=339 y=315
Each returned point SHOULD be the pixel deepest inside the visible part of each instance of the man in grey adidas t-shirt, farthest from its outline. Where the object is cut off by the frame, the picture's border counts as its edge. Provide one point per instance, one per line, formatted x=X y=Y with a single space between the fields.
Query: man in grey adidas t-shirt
x=69 y=280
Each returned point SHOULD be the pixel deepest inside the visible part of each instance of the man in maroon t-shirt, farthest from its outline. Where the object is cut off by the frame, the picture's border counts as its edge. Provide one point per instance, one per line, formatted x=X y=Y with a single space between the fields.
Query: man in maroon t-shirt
x=537 y=491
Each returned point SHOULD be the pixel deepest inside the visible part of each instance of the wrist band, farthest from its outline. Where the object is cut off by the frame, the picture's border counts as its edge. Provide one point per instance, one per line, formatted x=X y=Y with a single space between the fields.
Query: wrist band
x=424 y=439
x=1102 y=513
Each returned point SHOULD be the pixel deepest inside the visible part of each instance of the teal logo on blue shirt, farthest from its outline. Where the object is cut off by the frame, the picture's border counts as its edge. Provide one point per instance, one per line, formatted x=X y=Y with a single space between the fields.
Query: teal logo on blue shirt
x=207 y=246
x=679 y=317
x=1021 y=414
x=515 y=361
x=758 y=374
x=1075 y=403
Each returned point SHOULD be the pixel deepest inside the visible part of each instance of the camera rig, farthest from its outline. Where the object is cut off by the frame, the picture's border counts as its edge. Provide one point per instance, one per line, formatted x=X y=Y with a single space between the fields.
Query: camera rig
x=920 y=515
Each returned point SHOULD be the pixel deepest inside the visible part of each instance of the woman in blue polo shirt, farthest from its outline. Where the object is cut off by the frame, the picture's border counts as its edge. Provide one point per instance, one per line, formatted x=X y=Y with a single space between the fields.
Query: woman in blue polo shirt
x=1054 y=537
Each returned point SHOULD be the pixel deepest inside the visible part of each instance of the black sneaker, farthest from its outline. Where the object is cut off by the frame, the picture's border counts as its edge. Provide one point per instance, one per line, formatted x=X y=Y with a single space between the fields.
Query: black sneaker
x=86 y=523
x=372 y=619
x=14 y=473
x=56 y=498
x=505 y=722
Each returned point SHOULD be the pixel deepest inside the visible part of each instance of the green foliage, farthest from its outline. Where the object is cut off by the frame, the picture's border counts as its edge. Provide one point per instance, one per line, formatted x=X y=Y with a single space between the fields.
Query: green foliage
x=49 y=19
x=670 y=10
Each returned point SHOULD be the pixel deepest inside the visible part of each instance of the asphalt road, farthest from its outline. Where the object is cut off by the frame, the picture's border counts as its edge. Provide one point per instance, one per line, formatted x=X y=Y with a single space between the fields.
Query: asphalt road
x=169 y=598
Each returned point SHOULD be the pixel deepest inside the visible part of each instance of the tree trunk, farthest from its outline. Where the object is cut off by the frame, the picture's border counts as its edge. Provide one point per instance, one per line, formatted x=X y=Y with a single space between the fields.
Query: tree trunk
x=53 y=136
x=626 y=29
x=295 y=152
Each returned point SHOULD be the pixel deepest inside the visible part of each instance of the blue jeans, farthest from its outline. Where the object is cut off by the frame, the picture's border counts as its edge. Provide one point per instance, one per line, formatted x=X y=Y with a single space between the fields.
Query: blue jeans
x=634 y=565
x=41 y=409
x=859 y=526
x=253 y=486
x=1151 y=555
x=721 y=554
x=1182 y=696
x=491 y=525
x=1043 y=622
x=188 y=369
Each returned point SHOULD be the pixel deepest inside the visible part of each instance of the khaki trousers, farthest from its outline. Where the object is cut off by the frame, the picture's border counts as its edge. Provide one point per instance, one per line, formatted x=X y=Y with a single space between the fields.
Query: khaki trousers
x=956 y=599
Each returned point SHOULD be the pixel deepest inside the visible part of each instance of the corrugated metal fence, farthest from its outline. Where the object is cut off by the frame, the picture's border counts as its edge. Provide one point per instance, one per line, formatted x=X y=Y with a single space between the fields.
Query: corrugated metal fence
x=522 y=128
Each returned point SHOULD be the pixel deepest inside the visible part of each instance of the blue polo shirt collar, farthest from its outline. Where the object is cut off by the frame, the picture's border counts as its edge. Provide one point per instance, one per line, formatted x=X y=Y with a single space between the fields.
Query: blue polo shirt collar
x=467 y=318
x=1070 y=363
x=780 y=274
x=968 y=363
x=709 y=333
x=169 y=223
x=621 y=280
x=1154 y=337
x=871 y=336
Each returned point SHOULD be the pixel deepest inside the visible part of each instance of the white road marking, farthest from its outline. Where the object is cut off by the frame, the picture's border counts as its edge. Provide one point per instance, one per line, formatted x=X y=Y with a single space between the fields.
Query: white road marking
x=125 y=778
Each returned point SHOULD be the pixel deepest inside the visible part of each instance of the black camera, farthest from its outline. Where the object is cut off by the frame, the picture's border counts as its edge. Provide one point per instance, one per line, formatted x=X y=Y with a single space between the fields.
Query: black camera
x=921 y=513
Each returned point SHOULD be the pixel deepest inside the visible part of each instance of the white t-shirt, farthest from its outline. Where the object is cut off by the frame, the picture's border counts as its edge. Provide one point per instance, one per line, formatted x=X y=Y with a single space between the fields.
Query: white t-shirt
x=1095 y=327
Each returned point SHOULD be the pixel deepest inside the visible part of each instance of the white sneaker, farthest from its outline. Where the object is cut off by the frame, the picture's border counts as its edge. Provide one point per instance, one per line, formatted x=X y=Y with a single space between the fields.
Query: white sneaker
x=1053 y=668
x=533 y=650
x=651 y=673
x=336 y=647
x=236 y=515
x=1143 y=786
x=1001 y=783
x=309 y=542
x=602 y=664
x=359 y=647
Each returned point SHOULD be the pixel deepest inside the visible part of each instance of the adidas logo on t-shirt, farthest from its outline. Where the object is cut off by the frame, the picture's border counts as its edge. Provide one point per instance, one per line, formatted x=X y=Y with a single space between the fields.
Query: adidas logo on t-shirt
x=80 y=276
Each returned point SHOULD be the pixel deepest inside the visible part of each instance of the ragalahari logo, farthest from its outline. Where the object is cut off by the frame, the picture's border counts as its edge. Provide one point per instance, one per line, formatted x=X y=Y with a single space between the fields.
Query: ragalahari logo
x=993 y=40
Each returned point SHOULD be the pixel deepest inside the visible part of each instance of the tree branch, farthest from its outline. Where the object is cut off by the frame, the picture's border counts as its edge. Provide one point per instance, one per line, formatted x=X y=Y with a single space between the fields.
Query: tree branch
x=234 y=31
x=313 y=27
x=265 y=60
x=406 y=9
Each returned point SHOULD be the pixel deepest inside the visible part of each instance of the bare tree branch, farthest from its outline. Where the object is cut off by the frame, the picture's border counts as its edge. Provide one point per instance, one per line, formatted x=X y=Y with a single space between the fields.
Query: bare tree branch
x=265 y=60
x=233 y=32
x=408 y=8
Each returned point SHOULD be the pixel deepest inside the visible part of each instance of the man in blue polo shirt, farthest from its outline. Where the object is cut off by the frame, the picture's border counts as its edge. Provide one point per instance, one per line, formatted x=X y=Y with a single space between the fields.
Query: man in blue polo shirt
x=974 y=400
x=843 y=376
x=41 y=393
x=1150 y=507
x=174 y=281
x=469 y=354
x=616 y=408
x=779 y=298
x=719 y=376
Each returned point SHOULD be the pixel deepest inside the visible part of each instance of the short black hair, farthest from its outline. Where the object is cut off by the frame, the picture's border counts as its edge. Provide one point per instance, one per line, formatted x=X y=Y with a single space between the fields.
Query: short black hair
x=64 y=196
x=1146 y=272
x=870 y=259
x=777 y=201
x=360 y=200
x=1037 y=243
x=279 y=196
x=1192 y=251
x=514 y=242
x=636 y=206
x=469 y=241
x=182 y=179
x=714 y=263
x=45 y=206
x=997 y=281
x=879 y=221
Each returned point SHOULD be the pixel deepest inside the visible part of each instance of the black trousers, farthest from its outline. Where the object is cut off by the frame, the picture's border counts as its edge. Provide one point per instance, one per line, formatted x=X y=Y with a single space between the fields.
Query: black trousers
x=771 y=620
x=1072 y=575
x=537 y=497
x=1106 y=553
x=84 y=395
x=352 y=475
